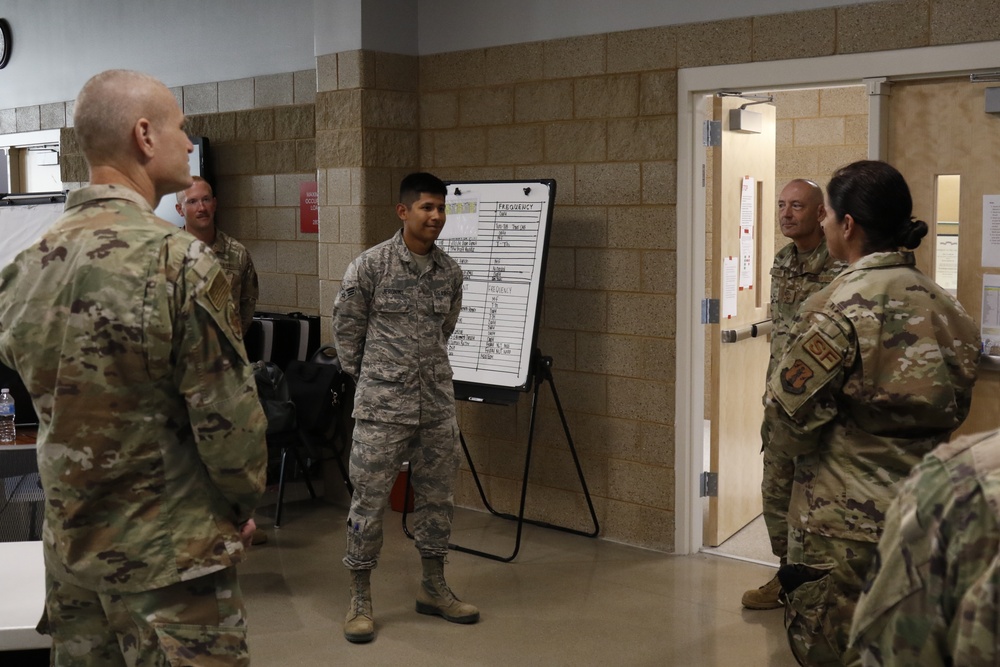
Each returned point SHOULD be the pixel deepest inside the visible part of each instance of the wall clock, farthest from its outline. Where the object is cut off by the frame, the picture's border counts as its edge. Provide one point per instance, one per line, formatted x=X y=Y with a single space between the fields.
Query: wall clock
x=5 y=43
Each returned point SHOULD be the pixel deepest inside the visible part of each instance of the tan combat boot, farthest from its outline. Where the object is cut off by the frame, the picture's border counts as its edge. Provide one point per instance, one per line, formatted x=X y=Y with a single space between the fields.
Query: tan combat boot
x=434 y=596
x=765 y=597
x=359 y=627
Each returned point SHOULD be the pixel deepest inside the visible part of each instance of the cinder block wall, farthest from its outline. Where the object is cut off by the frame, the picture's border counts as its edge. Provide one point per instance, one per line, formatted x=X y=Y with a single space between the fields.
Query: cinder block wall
x=597 y=114
x=262 y=146
x=367 y=139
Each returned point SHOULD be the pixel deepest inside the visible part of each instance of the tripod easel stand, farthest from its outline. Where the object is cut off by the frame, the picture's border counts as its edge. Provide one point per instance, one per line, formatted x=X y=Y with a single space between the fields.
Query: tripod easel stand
x=543 y=373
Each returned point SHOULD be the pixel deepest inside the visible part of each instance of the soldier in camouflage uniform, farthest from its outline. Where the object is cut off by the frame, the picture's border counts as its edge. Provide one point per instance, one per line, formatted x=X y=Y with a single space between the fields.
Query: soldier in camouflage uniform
x=197 y=205
x=801 y=268
x=879 y=370
x=398 y=304
x=932 y=596
x=151 y=443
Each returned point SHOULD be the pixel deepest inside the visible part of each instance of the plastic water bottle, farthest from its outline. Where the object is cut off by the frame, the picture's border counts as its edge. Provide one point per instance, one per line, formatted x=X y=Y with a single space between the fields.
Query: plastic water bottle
x=7 y=431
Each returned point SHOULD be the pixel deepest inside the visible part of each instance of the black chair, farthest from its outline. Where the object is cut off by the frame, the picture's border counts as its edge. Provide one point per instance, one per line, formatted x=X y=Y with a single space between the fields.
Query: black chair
x=283 y=433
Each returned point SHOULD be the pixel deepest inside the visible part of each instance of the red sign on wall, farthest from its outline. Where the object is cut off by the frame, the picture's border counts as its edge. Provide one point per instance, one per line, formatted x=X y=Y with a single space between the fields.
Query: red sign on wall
x=309 y=208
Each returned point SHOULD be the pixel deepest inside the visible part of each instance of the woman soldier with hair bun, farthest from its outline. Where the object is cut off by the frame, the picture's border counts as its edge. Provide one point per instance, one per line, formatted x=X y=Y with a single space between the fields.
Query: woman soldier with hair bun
x=879 y=371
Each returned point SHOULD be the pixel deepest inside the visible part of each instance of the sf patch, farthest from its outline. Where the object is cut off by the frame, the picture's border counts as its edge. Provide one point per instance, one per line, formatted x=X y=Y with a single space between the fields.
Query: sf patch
x=824 y=353
x=794 y=379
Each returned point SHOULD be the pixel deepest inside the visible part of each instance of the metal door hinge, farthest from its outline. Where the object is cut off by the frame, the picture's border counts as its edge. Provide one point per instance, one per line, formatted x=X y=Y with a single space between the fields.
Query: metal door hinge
x=709 y=311
x=711 y=134
x=709 y=484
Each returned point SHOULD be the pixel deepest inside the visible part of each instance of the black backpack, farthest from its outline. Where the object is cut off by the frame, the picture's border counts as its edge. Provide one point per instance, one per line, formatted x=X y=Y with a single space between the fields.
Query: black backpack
x=319 y=388
x=272 y=389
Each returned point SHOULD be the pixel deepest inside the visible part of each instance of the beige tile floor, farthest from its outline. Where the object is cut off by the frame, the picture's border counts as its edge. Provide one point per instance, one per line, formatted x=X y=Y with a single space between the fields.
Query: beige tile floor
x=565 y=600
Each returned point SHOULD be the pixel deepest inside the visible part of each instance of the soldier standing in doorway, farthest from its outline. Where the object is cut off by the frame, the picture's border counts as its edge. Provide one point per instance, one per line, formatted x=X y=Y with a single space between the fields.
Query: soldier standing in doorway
x=801 y=268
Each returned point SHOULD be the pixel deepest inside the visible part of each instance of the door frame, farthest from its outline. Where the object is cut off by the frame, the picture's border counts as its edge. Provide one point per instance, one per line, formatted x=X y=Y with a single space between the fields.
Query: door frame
x=693 y=85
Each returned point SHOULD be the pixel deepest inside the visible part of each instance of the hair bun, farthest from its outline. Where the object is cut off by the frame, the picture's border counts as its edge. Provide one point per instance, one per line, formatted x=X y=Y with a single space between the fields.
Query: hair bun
x=911 y=235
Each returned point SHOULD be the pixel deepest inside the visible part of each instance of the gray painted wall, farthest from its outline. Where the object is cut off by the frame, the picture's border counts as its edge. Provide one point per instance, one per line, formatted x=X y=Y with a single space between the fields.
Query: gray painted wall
x=58 y=45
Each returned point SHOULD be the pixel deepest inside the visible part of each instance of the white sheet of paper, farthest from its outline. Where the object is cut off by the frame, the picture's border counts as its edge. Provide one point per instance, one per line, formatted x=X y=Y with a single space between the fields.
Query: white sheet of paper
x=748 y=210
x=946 y=262
x=730 y=286
x=748 y=201
x=990 y=327
x=746 y=257
x=991 y=230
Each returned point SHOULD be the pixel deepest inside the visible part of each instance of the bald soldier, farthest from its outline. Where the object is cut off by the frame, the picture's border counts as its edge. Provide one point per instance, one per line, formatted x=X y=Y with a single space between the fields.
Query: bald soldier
x=151 y=438
x=801 y=268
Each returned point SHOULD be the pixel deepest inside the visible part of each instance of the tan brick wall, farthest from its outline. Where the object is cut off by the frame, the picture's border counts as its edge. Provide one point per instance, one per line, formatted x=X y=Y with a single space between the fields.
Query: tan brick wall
x=597 y=114
x=368 y=117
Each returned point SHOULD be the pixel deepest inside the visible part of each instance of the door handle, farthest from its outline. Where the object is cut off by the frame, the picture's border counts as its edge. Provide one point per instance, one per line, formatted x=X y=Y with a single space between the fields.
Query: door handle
x=753 y=331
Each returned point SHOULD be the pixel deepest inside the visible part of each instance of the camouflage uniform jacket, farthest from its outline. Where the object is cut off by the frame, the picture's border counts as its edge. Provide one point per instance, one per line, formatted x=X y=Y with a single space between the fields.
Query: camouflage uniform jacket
x=879 y=370
x=238 y=265
x=151 y=438
x=391 y=326
x=795 y=277
x=934 y=599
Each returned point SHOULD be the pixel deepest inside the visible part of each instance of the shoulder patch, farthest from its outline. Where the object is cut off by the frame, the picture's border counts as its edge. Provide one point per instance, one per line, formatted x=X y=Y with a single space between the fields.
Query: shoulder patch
x=219 y=292
x=822 y=351
x=795 y=378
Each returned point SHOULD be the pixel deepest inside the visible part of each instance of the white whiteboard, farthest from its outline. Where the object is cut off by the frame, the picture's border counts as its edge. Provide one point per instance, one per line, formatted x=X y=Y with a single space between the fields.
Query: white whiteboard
x=23 y=224
x=498 y=232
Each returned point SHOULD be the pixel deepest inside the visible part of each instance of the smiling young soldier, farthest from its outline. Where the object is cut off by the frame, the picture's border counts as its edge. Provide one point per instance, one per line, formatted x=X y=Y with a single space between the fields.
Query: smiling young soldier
x=398 y=304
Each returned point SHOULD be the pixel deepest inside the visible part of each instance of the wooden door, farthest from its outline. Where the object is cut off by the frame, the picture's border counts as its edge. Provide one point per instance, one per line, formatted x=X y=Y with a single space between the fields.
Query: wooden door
x=737 y=370
x=937 y=128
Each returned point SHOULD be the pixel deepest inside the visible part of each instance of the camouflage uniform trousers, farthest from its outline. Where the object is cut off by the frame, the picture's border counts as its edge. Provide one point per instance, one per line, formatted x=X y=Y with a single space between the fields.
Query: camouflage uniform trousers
x=377 y=453
x=776 y=490
x=199 y=622
x=821 y=584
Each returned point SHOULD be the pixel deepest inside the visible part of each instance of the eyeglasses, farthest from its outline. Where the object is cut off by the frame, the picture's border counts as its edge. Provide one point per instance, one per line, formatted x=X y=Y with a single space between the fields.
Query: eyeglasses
x=204 y=201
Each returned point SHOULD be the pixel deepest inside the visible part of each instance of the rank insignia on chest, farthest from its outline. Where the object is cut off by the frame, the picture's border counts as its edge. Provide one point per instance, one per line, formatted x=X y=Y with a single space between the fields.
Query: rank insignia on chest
x=794 y=379
x=824 y=353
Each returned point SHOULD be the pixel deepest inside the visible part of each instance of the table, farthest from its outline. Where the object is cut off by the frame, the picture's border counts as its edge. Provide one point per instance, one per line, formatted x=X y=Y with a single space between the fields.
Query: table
x=22 y=566
x=22 y=596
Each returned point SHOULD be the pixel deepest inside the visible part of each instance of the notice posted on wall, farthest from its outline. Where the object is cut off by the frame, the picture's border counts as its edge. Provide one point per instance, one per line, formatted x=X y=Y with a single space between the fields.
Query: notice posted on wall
x=991 y=230
x=990 y=327
x=730 y=286
x=748 y=210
